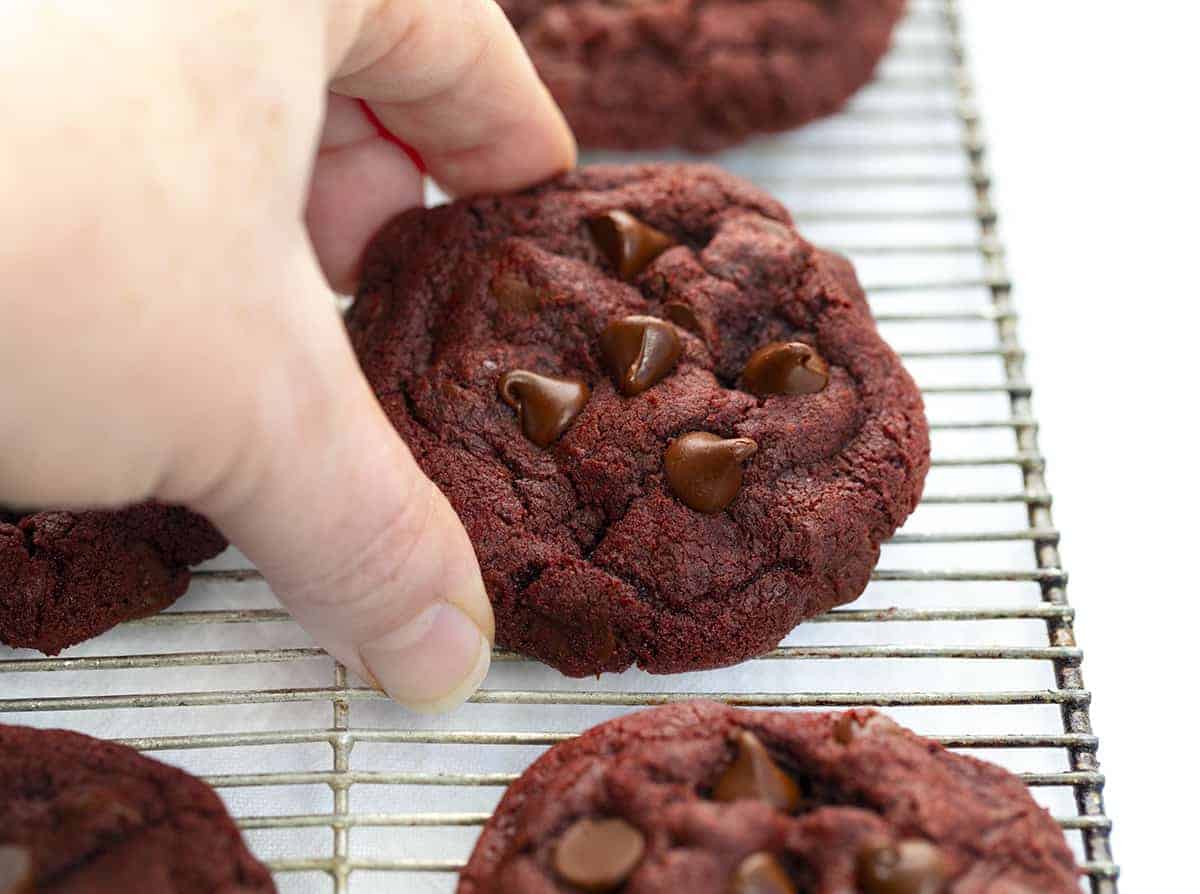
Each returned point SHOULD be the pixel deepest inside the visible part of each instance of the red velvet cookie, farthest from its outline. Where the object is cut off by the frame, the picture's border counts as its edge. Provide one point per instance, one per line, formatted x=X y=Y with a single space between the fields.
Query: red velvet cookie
x=667 y=421
x=705 y=799
x=701 y=74
x=81 y=815
x=68 y=576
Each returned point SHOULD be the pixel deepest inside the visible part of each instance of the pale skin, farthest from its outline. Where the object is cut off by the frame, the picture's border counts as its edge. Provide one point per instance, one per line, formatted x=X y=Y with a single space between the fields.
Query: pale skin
x=180 y=184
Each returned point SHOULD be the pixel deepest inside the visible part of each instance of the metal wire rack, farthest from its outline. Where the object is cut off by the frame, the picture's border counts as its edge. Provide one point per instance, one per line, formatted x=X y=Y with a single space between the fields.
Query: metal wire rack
x=339 y=790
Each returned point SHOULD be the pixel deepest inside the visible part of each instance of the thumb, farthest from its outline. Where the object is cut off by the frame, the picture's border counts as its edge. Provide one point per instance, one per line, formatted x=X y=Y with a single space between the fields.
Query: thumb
x=361 y=547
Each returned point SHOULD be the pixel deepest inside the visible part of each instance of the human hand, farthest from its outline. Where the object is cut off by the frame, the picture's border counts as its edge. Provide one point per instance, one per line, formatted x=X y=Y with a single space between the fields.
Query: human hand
x=173 y=208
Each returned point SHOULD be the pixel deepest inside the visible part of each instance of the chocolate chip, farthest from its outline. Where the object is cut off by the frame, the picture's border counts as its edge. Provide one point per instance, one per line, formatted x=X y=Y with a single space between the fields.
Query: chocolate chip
x=639 y=351
x=761 y=874
x=16 y=869
x=755 y=775
x=547 y=405
x=627 y=242
x=909 y=867
x=845 y=728
x=785 y=368
x=705 y=470
x=514 y=293
x=683 y=315
x=599 y=855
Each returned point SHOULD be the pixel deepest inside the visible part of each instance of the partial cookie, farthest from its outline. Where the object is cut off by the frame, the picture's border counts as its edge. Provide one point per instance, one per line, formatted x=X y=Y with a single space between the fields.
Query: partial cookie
x=81 y=815
x=68 y=576
x=701 y=74
x=706 y=799
x=667 y=421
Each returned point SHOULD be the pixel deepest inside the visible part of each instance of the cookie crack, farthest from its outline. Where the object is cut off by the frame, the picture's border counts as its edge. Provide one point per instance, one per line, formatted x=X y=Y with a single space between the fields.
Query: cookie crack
x=144 y=826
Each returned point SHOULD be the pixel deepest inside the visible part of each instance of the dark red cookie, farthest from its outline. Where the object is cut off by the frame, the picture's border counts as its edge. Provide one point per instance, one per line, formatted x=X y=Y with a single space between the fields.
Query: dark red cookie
x=68 y=576
x=725 y=801
x=701 y=74
x=673 y=519
x=95 y=816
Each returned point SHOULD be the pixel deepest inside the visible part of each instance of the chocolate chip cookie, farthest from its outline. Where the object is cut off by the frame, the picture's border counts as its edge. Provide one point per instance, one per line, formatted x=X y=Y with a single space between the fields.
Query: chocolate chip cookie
x=78 y=814
x=68 y=576
x=701 y=74
x=707 y=799
x=667 y=421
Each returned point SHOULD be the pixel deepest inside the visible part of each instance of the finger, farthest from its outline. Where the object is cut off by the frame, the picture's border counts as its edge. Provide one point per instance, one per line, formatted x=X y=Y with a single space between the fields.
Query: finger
x=451 y=78
x=360 y=180
x=328 y=502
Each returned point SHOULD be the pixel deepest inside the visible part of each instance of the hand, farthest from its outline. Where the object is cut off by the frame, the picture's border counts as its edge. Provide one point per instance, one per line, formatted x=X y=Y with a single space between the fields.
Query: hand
x=179 y=190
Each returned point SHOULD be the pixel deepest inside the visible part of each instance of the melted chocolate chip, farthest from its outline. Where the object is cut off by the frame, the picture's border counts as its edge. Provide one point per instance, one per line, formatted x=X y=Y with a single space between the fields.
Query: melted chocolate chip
x=845 y=729
x=785 y=368
x=547 y=405
x=761 y=874
x=755 y=775
x=683 y=316
x=639 y=351
x=909 y=867
x=705 y=470
x=16 y=869
x=627 y=242
x=599 y=855
x=514 y=294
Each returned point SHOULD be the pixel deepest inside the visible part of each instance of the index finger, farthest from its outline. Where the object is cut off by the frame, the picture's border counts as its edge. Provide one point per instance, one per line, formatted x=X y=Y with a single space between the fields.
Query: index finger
x=451 y=78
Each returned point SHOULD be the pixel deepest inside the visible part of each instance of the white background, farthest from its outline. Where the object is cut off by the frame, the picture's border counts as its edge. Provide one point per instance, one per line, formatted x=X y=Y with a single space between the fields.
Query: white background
x=1091 y=109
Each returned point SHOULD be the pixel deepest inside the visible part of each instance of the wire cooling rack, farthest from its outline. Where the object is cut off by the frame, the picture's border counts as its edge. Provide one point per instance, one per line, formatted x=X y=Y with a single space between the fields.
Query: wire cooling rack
x=965 y=633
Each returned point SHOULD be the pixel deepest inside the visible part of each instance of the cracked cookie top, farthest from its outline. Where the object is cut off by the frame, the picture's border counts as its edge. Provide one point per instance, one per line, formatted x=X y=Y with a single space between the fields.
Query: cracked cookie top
x=707 y=799
x=68 y=576
x=667 y=421
x=79 y=814
x=702 y=74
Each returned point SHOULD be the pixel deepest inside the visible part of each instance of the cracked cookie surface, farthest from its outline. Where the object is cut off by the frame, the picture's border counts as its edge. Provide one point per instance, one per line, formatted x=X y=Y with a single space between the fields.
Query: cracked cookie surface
x=68 y=576
x=870 y=807
x=592 y=561
x=701 y=74
x=96 y=816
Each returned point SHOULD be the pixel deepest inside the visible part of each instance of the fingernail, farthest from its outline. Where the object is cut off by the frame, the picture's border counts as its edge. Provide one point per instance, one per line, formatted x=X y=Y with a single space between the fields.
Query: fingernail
x=434 y=662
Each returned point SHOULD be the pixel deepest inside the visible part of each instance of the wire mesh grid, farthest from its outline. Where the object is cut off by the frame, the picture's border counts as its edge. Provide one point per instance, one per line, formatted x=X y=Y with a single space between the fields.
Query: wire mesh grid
x=965 y=633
